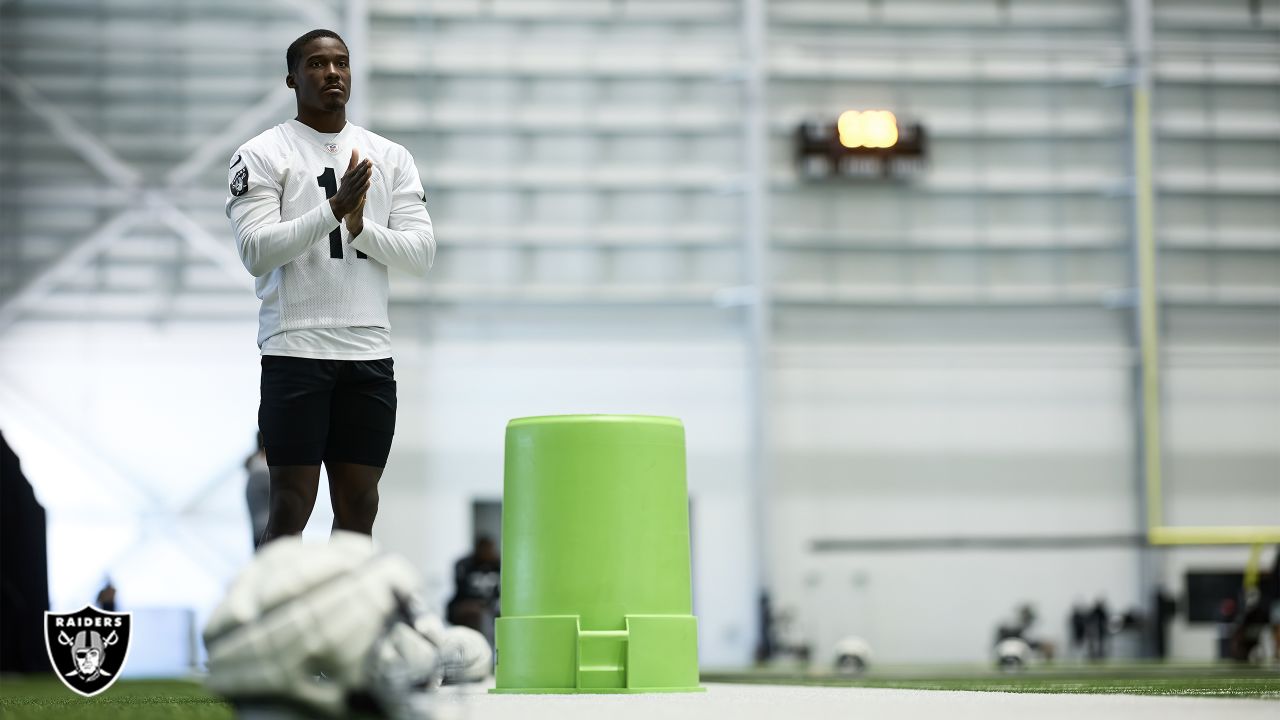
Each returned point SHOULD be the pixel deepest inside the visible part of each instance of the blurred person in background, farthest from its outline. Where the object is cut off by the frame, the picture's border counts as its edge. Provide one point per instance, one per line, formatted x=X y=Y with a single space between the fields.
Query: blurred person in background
x=1166 y=609
x=1249 y=625
x=257 y=491
x=1228 y=610
x=1079 y=623
x=1254 y=615
x=321 y=209
x=1098 y=630
x=106 y=597
x=477 y=582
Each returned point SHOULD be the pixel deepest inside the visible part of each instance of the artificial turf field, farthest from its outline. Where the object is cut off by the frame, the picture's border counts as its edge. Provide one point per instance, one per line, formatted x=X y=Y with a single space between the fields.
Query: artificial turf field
x=897 y=692
x=1174 y=680
x=26 y=697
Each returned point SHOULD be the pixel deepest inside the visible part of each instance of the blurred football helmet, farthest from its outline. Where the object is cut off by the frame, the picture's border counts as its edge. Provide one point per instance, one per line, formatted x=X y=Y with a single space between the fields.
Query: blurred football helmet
x=333 y=629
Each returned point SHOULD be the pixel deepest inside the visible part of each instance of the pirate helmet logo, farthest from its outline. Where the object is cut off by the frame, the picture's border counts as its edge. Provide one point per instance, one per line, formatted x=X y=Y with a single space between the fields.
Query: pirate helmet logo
x=240 y=182
x=88 y=648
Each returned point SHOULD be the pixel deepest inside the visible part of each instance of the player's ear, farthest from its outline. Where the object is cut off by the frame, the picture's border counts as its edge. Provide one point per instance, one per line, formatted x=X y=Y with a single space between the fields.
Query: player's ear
x=288 y=81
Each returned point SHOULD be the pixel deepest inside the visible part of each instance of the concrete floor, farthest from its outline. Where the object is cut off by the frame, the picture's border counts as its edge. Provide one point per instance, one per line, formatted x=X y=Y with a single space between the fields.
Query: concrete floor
x=758 y=702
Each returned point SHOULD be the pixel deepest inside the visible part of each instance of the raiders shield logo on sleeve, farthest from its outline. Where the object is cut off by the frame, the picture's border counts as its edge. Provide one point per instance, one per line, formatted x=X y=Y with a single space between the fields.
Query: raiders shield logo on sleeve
x=88 y=648
x=240 y=183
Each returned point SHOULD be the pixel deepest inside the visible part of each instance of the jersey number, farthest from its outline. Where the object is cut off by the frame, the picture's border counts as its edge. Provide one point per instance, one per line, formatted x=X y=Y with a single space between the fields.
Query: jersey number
x=329 y=182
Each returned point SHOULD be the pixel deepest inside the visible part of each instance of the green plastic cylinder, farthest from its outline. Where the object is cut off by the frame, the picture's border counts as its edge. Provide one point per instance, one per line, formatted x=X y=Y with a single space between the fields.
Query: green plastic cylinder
x=596 y=594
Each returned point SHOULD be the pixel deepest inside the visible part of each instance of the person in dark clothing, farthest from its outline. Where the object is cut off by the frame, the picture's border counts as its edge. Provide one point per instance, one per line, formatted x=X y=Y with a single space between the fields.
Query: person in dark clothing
x=257 y=492
x=477 y=585
x=107 y=597
x=768 y=642
x=24 y=570
x=1079 y=627
x=1228 y=612
x=1098 y=631
x=1246 y=632
x=1166 y=608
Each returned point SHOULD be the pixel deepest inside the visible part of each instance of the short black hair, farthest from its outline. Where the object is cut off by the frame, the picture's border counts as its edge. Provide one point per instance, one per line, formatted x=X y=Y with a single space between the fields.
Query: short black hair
x=294 y=53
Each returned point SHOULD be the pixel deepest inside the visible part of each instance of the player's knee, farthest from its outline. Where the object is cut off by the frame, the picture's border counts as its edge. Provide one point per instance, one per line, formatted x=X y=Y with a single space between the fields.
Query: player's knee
x=290 y=510
x=356 y=506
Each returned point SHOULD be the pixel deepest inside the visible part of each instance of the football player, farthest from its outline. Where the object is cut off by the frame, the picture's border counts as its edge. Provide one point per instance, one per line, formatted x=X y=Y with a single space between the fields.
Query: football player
x=321 y=209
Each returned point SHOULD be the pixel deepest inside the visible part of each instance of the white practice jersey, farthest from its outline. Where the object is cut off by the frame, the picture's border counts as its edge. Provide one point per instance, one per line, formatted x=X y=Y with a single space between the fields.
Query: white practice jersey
x=324 y=294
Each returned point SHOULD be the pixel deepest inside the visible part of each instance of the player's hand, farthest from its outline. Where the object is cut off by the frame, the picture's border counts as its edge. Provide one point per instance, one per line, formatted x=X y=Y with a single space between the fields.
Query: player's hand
x=355 y=183
x=355 y=219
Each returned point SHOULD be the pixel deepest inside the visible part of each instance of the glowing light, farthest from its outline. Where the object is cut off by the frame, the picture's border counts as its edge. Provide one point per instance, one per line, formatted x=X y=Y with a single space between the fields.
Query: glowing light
x=868 y=128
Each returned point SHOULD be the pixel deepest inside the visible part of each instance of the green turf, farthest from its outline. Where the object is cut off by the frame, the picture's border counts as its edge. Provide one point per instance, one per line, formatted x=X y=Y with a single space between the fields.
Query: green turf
x=48 y=699
x=1168 y=680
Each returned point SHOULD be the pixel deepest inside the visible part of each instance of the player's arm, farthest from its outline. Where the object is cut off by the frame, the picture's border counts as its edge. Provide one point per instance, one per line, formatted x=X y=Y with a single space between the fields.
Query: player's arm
x=264 y=241
x=408 y=241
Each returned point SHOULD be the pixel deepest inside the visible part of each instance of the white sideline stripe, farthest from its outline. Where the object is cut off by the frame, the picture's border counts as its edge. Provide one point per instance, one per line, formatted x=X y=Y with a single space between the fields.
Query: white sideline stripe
x=761 y=702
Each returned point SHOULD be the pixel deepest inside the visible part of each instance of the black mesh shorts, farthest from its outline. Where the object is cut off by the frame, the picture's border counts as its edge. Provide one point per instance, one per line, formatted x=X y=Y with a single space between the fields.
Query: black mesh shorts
x=327 y=410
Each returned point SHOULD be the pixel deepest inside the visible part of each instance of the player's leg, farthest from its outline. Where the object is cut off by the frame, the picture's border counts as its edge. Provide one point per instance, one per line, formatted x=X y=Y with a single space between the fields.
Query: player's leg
x=353 y=490
x=293 y=496
x=294 y=419
x=362 y=421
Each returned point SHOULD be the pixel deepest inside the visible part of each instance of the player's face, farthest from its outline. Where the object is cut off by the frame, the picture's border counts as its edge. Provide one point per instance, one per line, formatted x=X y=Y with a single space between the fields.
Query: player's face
x=322 y=78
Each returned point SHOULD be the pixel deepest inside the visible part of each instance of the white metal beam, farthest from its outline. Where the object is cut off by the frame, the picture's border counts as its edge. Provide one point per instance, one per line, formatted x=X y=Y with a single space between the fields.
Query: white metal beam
x=68 y=265
x=93 y=150
x=111 y=166
x=322 y=16
x=759 y=316
x=231 y=136
x=356 y=35
x=101 y=158
x=199 y=239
